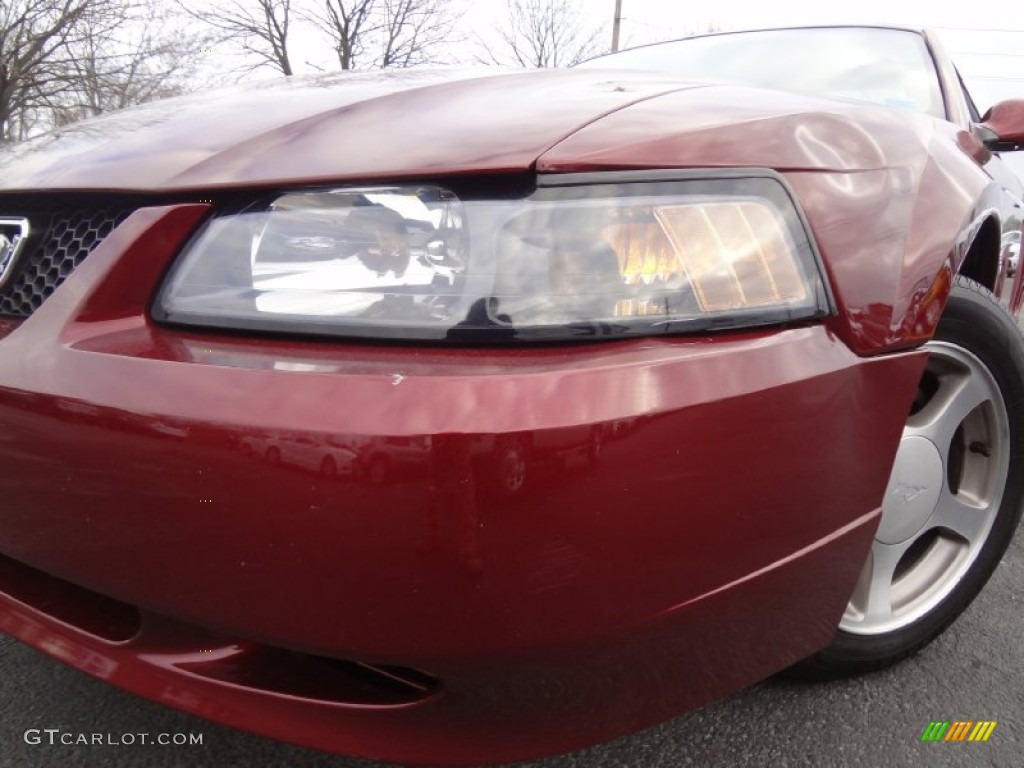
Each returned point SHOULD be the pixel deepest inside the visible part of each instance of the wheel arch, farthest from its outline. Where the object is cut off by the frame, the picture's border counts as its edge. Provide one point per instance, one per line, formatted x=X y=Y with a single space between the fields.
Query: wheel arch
x=974 y=253
x=980 y=261
x=894 y=239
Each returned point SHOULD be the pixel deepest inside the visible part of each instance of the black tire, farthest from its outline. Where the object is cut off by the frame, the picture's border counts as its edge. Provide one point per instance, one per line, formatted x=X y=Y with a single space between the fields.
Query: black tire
x=973 y=322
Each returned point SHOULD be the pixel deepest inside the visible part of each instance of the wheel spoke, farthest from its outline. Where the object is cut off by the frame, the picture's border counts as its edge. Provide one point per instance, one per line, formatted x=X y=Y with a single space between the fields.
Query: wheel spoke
x=873 y=598
x=966 y=517
x=959 y=393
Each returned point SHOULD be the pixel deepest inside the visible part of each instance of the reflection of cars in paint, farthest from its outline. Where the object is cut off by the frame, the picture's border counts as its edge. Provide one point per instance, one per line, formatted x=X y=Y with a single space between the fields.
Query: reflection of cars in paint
x=669 y=386
x=515 y=458
x=304 y=452
x=507 y=460
x=381 y=458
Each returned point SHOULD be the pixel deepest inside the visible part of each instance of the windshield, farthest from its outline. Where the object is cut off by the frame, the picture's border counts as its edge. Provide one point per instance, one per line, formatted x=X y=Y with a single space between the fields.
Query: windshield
x=883 y=66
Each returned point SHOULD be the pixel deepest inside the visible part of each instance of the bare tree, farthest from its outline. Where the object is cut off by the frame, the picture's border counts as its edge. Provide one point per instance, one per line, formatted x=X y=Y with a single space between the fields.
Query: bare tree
x=414 y=32
x=148 y=61
x=34 y=54
x=61 y=60
x=260 y=27
x=348 y=23
x=542 y=33
x=372 y=34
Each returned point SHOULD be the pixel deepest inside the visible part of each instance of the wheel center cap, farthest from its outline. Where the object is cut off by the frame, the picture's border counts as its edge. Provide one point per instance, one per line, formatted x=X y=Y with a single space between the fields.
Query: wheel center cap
x=913 y=490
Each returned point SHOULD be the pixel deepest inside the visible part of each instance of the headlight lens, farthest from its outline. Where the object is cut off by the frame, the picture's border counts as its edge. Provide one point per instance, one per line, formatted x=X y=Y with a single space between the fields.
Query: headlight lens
x=568 y=261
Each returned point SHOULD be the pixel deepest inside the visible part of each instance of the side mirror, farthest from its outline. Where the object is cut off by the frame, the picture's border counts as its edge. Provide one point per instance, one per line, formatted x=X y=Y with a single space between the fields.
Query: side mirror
x=1002 y=127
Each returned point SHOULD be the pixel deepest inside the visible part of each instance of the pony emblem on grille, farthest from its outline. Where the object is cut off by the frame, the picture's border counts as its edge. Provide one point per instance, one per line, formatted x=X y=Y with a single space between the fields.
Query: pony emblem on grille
x=12 y=236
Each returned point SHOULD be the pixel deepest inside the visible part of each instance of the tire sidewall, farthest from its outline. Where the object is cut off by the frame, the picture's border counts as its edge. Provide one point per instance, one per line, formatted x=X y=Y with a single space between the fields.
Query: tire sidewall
x=974 y=321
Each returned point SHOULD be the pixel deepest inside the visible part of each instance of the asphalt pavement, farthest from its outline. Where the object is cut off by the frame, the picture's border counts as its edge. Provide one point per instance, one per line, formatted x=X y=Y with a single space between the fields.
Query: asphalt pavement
x=975 y=671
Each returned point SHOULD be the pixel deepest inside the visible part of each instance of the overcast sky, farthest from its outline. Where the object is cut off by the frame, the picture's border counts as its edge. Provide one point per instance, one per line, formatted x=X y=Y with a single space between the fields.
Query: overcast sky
x=757 y=13
x=988 y=51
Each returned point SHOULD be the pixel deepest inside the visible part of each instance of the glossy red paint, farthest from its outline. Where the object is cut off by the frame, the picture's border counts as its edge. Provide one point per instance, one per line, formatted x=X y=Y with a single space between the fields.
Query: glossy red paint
x=524 y=602
x=327 y=130
x=492 y=707
x=8 y=324
x=730 y=126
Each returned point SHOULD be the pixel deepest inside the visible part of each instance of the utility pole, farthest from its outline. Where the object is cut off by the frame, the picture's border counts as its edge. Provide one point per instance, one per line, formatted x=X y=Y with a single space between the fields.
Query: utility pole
x=616 y=24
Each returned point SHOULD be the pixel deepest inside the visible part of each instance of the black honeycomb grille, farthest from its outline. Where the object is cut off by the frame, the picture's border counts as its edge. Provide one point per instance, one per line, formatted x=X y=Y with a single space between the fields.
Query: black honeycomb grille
x=62 y=234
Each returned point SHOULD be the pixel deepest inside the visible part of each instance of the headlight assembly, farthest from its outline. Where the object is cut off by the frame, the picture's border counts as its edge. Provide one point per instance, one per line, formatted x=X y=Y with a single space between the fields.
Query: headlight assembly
x=600 y=257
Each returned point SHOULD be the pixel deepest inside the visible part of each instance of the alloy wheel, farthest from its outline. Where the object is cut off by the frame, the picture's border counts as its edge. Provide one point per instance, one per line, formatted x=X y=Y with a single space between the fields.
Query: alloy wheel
x=943 y=495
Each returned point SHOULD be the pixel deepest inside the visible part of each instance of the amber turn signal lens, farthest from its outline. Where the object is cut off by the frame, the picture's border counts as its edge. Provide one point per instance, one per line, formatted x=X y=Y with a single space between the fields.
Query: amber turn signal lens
x=733 y=255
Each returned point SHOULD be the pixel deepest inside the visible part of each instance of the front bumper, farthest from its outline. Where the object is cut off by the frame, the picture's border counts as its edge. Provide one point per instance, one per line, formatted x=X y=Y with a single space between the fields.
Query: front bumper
x=515 y=552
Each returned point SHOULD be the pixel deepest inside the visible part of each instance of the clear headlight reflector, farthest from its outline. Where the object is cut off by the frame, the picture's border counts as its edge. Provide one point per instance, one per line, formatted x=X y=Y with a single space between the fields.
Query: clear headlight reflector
x=418 y=262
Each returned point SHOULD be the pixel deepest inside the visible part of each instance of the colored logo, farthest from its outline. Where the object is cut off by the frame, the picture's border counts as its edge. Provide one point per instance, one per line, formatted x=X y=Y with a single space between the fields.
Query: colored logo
x=12 y=237
x=958 y=730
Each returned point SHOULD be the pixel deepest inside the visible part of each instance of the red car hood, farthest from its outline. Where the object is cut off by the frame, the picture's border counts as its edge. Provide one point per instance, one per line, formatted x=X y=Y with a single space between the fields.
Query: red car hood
x=383 y=124
x=417 y=124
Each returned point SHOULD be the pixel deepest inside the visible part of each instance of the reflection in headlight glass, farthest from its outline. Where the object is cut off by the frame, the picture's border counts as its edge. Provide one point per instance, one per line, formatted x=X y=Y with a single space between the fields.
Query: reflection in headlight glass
x=417 y=262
